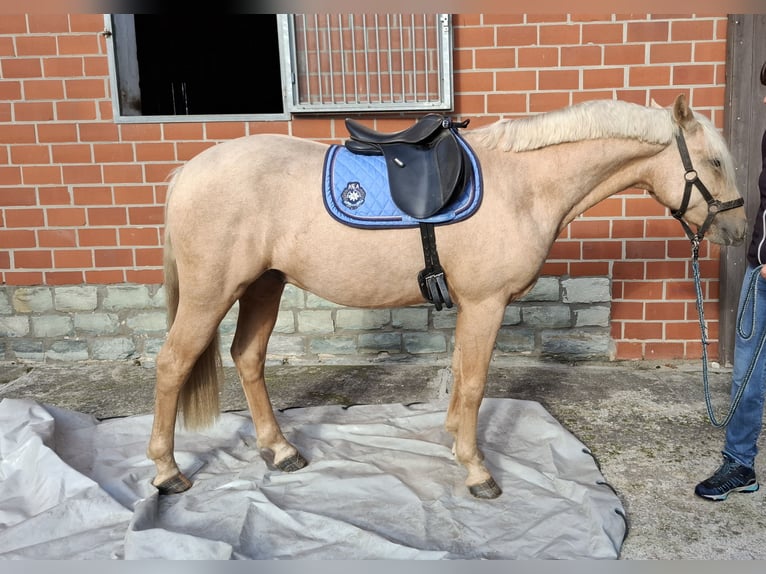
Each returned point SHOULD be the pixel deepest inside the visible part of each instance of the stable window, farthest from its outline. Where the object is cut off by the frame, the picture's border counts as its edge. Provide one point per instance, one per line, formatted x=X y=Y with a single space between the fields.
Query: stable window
x=167 y=68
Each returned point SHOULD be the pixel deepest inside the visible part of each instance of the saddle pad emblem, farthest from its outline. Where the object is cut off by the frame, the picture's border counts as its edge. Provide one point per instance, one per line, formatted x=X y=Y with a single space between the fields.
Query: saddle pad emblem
x=356 y=192
x=353 y=196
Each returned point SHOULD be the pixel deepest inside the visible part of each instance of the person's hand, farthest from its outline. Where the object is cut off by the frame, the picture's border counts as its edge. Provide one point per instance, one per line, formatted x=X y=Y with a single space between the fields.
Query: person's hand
x=763 y=272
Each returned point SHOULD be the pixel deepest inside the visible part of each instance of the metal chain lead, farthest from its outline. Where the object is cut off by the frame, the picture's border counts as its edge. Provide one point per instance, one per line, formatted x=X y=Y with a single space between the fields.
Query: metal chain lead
x=703 y=329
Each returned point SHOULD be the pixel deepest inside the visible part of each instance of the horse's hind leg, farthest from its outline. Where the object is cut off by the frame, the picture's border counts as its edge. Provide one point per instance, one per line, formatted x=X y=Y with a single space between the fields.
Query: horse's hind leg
x=258 y=309
x=475 y=334
x=193 y=332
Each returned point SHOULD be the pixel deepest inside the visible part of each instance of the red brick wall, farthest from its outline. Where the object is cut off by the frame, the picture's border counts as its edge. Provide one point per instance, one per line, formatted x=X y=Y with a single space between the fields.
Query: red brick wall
x=81 y=197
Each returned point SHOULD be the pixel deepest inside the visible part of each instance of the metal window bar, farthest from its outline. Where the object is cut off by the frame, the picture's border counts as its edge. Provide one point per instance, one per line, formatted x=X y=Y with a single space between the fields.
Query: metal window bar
x=355 y=63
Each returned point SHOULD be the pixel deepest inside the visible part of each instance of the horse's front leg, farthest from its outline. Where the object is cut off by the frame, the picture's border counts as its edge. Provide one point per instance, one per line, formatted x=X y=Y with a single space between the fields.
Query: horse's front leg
x=475 y=334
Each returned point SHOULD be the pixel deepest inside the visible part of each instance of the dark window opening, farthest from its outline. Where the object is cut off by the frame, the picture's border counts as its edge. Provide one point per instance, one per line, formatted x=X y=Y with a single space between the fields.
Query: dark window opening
x=198 y=64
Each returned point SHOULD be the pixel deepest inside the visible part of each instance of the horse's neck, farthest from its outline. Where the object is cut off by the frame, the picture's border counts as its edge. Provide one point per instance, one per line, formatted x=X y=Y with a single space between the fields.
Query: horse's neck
x=568 y=179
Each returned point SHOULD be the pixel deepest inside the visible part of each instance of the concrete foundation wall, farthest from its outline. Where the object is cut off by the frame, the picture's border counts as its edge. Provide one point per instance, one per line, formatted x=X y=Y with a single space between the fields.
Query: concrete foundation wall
x=568 y=318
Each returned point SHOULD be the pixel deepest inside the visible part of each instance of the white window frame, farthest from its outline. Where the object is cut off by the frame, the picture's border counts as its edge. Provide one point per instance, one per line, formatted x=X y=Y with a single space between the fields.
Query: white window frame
x=123 y=66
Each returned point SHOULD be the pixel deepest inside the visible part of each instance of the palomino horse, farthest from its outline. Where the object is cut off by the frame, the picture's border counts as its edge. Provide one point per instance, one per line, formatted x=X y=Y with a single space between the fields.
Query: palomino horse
x=247 y=216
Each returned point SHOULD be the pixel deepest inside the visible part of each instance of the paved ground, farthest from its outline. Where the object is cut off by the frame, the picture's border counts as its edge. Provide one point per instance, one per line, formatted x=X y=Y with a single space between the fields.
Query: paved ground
x=646 y=424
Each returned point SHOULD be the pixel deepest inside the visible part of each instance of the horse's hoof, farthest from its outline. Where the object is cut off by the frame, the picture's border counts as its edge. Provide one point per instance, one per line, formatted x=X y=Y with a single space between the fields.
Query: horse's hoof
x=174 y=485
x=487 y=489
x=292 y=463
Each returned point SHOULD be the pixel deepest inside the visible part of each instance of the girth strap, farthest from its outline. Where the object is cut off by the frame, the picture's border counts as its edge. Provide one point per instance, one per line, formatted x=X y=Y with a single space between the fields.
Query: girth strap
x=433 y=284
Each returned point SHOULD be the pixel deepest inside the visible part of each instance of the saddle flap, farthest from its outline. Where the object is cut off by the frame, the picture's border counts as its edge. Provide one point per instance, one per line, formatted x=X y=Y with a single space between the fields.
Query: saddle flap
x=422 y=179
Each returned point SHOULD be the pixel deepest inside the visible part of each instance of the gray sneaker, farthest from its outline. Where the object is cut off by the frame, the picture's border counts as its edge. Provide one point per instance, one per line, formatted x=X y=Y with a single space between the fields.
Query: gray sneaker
x=730 y=477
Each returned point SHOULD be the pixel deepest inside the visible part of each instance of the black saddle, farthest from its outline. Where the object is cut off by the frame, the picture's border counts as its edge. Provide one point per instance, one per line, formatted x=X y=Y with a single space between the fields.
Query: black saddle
x=426 y=166
x=425 y=163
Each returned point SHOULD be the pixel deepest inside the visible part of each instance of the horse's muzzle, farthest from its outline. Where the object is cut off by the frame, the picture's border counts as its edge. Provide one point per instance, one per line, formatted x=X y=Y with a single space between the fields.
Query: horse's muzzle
x=729 y=228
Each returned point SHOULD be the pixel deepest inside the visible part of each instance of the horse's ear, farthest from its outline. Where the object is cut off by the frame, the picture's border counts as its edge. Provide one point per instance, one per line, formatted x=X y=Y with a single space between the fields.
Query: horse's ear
x=681 y=111
x=654 y=104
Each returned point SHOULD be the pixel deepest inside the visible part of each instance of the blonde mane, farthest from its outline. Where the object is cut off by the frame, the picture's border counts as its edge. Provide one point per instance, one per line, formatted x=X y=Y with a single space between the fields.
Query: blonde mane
x=598 y=119
x=595 y=119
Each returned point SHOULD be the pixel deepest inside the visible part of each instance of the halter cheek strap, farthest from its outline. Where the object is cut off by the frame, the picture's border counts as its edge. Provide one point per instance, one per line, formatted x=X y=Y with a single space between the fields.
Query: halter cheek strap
x=691 y=178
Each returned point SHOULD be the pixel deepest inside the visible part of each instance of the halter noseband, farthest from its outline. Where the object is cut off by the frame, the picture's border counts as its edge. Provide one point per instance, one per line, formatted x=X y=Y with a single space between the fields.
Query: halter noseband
x=691 y=178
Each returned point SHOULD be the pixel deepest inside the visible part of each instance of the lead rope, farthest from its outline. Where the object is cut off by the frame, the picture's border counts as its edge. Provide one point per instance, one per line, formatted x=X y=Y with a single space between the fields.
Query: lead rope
x=703 y=329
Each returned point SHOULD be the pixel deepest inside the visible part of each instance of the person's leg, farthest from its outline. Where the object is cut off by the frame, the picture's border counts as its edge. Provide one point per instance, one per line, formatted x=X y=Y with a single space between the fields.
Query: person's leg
x=736 y=474
x=749 y=369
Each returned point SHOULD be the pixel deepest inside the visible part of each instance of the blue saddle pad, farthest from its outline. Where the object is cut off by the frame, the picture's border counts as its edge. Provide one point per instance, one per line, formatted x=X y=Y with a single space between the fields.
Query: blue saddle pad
x=356 y=192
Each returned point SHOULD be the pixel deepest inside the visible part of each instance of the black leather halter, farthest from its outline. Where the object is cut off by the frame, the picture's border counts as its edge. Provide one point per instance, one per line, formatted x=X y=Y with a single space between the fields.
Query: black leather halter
x=714 y=206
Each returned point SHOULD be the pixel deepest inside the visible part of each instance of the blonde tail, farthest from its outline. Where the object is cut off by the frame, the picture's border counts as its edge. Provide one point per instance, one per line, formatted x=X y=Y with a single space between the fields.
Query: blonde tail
x=198 y=400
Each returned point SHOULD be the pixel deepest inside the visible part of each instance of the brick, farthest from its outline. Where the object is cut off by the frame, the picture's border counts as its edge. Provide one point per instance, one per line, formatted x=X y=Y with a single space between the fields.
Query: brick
x=424 y=343
x=332 y=346
x=146 y=215
x=113 y=349
x=686 y=75
x=515 y=80
x=647 y=32
x=33 y=111
x=56 y=238
x=85 y=88
x=586 y=290
x=48 y=24
x=138 y=236
x=538 y=57
x=380 y=342
x=147 y=322
x=80 y=110
x=65 y=216
x=159 y=151
x=545 y=102
x=596 y=33
x=21 y=68
x=30 y=154
x=445 y=319
x=603 y=78
x=53 y=196
x=515 y=340
x=41 y=175
x=113 y=257
x=79 y=44
x=54 y=326
x=77 y=298
x=581 y=56
x=68 y=351
x=97 y=237
x=126 y=297
x=35 y=45
x=412 y=319
x=580 y=344
x=38 y=259
x=362 y=319
x=548 y=316
x=559 y=80
x=43 y=90
x=592 y=317
x=14 y=326
x=32 y=300
x=63 y=67
x=71 y=153
x=478 y=37
x=72 y=259
x=315 y=322
x=24 y=218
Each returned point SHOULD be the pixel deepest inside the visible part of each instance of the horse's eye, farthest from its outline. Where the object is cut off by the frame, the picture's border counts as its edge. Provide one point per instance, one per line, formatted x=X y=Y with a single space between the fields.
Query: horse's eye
x=716 y=163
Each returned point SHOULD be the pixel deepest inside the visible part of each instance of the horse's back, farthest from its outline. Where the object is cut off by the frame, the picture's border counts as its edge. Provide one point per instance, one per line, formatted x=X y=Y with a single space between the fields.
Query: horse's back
x=238 y=173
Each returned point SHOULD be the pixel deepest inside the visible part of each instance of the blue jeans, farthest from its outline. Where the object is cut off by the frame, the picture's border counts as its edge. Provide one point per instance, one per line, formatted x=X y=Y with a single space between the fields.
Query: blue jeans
x=745 y=426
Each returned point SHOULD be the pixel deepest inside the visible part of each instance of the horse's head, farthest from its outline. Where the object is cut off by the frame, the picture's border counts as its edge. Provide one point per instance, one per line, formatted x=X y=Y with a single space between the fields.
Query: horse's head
x=704 y=192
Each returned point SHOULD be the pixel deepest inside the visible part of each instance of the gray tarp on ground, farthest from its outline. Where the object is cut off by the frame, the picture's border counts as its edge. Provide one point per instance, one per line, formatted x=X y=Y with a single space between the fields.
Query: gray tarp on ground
x=381 y=483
